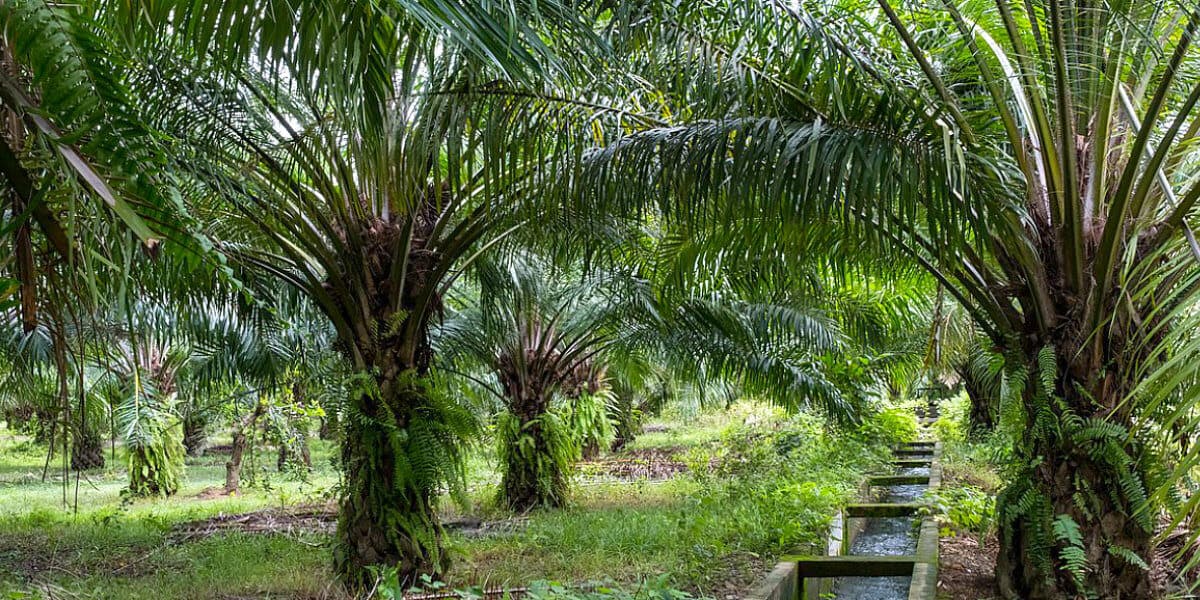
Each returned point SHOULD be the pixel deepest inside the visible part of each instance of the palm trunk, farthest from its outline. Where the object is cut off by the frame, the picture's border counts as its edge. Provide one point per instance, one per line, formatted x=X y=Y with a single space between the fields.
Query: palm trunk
x=1068 y=524
x=536 y=454
x=156 y=468
x=982 y=417
x=195 y=438
x=401 y=444
x=387 y=515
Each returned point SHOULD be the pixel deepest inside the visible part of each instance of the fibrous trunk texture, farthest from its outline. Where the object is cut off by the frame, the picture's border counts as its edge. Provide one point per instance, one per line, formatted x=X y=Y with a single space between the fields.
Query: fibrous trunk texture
x=535 y=466
x=386 y=514
x=400 y=445
x=531 y=438
x=156 y=467
x=1073 y=523
x=982 y=416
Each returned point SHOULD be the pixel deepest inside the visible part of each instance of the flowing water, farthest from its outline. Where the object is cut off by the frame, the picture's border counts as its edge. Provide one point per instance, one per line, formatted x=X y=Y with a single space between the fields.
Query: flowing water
x=892 y=536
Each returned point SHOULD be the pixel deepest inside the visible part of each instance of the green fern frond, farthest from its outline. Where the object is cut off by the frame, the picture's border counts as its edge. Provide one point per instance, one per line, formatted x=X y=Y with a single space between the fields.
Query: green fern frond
x=1071 y=552
x=1128 y=556
x=1047 y=362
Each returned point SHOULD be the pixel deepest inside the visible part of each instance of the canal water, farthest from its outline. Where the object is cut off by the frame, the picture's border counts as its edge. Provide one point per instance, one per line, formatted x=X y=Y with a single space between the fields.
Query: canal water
x=891 y=536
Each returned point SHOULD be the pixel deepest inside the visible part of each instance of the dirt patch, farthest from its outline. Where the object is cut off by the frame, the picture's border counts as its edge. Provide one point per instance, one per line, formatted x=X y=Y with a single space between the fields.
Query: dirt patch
x=1169 y=557
x=316 y=519
x=477 y=528
x=967 y=568
x=644 y=463
x=37 y=558
x=742 y=572
x=301 y=519
x=211 y=493
x=487 y=594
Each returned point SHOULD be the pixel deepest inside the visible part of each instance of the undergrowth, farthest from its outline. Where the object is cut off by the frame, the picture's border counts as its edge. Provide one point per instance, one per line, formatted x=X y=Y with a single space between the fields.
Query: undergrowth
x=761 y=484
x=763 y=487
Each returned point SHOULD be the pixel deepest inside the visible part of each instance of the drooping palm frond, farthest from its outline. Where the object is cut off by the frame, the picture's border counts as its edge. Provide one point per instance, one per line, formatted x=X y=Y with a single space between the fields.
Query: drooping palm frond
x=1033 y=158
x=68 y=82
x=352 y=50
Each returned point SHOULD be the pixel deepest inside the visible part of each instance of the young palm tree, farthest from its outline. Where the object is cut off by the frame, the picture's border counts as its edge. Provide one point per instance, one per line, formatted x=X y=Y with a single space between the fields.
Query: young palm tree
x=548 y=338
x=1035 y=158
x=542 y=339
x=148 y=358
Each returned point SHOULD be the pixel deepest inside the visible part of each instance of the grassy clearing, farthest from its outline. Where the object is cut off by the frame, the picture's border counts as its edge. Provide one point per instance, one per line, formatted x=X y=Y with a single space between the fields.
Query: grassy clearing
x=761 y=484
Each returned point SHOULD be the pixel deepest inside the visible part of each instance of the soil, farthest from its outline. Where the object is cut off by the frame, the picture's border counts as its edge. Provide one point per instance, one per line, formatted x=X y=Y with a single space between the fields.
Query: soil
x=317 y=518
x=36 y=558
x=967 y=567
x=642 y=464
x=743 y=572
x=301 y=519
x=1166 y=572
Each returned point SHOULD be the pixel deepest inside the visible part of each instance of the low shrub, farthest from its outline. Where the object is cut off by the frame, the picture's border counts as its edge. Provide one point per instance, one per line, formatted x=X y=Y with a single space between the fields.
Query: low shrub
x=963 y=509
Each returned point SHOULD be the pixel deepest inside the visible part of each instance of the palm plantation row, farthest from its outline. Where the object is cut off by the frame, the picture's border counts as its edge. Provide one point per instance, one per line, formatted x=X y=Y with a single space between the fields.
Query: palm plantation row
x=536 y=200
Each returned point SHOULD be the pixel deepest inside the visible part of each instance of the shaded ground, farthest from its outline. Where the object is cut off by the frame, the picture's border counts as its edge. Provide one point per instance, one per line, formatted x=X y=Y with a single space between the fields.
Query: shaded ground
x=742 y=572
x=966 y=568
x=35 y=557
x=1171 y=554
x=316 y=519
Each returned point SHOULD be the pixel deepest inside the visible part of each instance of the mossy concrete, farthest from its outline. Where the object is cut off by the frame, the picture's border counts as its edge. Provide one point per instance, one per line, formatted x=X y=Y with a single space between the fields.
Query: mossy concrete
x=883 y=510
x=882 y=480
x=810 y=577
x=782 y=583
x=853 y=566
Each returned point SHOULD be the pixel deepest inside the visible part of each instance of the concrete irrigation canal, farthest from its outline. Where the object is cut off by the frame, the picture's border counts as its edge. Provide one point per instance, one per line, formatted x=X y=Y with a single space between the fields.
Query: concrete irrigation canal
x=881 y=549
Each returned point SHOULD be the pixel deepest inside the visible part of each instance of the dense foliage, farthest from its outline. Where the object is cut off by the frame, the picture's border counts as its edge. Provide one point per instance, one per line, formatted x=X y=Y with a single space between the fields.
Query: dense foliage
x=278 y=211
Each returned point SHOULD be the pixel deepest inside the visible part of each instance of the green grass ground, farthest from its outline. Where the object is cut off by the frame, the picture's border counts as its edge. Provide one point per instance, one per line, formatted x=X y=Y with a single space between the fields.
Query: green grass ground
x=757 y=490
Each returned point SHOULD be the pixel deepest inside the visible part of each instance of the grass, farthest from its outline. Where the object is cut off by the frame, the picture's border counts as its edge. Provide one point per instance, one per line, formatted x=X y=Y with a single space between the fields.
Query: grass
x=774 y=484
x=54 y=543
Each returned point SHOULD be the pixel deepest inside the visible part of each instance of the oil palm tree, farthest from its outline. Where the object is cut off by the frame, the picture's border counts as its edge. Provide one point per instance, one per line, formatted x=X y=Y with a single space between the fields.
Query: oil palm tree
x=1034 y=158
x=547 y=337
x=368 y=211
x=148 y=359
x=65 y=411
x=372 y=226
x=542 y=338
